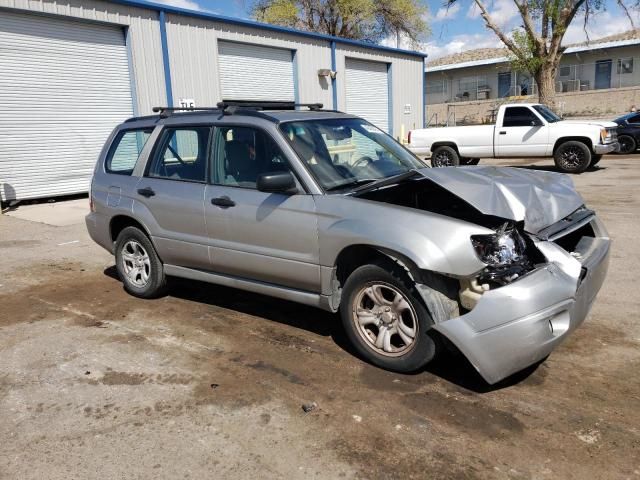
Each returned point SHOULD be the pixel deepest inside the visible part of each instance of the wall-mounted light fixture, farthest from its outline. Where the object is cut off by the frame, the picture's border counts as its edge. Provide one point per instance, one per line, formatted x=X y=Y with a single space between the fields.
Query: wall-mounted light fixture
x=325 y=72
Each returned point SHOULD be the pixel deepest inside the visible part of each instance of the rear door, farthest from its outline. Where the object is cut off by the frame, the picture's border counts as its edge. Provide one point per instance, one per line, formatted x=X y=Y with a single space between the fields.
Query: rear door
x=270 y=237
x=169 y=197
x=521 y=134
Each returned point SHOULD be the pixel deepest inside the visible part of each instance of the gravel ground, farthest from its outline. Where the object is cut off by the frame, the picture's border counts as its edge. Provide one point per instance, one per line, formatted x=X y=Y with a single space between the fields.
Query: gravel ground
x=209 y=382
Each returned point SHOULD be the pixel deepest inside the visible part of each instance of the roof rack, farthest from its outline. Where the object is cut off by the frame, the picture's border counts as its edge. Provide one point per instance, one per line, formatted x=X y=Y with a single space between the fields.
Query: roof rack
x=231 y=106
x=166 y=111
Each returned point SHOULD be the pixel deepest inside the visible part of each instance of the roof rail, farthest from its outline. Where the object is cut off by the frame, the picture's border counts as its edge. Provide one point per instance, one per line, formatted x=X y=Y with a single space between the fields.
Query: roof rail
x=230 y=106
x=166 y=111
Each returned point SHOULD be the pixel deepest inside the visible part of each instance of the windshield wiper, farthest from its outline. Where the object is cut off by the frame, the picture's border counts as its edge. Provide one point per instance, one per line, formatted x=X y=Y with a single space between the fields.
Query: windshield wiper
x=382 y=182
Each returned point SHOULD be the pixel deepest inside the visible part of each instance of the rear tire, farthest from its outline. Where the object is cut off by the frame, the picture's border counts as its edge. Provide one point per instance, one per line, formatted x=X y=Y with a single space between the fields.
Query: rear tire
x=572 y=157
x=445 y=156
x=138 y=264
x=385 y=319
x=595 y=159
x=627 y=144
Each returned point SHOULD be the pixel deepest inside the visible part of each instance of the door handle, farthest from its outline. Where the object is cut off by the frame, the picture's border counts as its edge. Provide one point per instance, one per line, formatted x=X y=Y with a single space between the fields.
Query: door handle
x=503 y=132
x=146 y=192
x=224 y=202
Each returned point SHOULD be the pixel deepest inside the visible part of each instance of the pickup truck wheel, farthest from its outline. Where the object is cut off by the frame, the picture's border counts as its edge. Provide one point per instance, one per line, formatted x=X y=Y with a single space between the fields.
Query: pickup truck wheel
x=445 y=157
x=595 y=159
x=138 y=264
x=385 y=320
x=627 y=144
x=572 y=157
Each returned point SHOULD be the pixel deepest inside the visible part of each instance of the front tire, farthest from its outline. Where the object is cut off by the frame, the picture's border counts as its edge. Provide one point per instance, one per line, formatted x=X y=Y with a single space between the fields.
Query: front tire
x=572 y=157
x=627 y=144
x=445 y=156
x=138 y=264
x=385 y=320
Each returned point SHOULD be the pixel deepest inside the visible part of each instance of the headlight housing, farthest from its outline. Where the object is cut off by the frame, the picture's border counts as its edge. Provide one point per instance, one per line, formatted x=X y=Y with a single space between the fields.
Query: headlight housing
x=505 y=247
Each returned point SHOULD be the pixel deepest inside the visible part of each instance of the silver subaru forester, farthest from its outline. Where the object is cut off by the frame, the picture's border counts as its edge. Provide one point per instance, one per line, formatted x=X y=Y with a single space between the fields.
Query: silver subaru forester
x=323 y=208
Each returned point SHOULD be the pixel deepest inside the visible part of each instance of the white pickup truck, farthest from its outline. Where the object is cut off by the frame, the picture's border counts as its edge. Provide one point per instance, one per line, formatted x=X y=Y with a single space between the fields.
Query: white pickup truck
x=521 y=130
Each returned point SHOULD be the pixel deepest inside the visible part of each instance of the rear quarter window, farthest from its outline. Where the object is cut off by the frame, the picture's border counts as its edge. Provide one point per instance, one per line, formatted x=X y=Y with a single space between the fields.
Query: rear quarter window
x=125 y=151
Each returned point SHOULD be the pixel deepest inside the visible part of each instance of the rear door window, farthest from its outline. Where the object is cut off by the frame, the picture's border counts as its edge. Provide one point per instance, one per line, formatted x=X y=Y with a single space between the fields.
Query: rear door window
x=182 y=154
x=125 y=151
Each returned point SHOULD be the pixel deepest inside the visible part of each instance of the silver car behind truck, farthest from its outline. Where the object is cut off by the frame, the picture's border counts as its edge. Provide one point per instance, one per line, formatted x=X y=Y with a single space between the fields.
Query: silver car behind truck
x=323 y=208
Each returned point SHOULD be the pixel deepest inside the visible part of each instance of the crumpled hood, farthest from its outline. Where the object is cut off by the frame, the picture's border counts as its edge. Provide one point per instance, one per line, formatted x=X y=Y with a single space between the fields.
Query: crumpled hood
x=538 y=198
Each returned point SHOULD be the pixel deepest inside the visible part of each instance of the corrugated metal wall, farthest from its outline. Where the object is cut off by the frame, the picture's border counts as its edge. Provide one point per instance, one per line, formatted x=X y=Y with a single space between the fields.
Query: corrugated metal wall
x=192 y=49
x=144 y=39
x=406 y=84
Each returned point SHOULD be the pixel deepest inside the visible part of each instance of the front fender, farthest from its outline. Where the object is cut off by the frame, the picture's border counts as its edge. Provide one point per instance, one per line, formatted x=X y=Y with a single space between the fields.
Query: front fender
x=431 y=241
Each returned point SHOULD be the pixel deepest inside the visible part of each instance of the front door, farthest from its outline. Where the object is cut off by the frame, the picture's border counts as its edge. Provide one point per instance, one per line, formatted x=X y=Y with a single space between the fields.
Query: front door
x=270 y=237
x=504 y=84
x=603 y=74
x=522 y=133
x=169 y=197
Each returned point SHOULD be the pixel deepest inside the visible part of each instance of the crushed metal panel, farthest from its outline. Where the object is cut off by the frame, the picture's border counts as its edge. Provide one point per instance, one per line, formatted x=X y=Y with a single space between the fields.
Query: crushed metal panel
x=537 y=198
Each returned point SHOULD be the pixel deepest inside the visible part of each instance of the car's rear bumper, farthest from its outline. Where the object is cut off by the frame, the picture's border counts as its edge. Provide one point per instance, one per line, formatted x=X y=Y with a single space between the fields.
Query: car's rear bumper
x=98 y=228
x=600 y=149
x=519 y=324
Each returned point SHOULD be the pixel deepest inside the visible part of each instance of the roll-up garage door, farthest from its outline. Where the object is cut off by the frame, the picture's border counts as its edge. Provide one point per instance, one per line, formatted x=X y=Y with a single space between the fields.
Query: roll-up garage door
x=253 y=72
x=64 y=85
x=367 y=88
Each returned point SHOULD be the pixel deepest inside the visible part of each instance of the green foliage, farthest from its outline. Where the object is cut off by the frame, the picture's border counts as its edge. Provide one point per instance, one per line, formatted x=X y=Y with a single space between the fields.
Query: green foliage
x=367 y=20
x=527 y=59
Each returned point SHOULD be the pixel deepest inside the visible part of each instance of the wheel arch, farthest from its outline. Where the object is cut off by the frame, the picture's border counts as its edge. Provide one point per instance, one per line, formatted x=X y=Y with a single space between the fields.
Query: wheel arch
x=586 y=140
x=121 y=221
x=438 y=292
x=445 y=143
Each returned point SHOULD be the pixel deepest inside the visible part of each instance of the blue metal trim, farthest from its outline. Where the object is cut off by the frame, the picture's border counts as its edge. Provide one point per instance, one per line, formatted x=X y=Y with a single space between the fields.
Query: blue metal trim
x=334 y=67
x=294 y=61
x=165 y=58
x=390 y=96
x=424 y=99
x=264 y=26
x=132 y=77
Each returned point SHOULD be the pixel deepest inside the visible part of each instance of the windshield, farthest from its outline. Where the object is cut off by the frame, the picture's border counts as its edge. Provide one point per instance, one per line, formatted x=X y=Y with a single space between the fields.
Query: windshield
x=346 y=152
x=547 y=113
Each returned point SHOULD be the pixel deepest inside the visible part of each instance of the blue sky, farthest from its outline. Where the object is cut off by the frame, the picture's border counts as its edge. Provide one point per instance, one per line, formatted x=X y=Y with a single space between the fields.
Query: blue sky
x=458 y=28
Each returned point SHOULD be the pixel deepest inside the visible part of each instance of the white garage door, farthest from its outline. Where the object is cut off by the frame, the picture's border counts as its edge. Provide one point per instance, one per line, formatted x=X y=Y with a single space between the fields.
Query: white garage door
x=368 y=91
x=64 y=86
x=252 y=72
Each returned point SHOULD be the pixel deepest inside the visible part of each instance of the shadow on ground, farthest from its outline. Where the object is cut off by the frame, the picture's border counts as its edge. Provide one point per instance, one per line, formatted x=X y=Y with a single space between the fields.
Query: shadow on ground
x=449 y=364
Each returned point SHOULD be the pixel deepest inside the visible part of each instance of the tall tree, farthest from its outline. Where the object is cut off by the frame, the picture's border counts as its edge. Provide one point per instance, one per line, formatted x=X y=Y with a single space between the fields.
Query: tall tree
x=536 y=46
x=367 y=20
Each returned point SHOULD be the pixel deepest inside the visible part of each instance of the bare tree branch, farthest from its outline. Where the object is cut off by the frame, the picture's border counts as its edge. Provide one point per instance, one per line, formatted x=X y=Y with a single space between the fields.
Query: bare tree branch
x=484 y=13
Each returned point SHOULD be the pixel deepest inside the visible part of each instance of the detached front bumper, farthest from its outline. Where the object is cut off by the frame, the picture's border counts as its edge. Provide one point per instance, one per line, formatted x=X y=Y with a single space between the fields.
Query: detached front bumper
x=601 y=149
x=519 y=324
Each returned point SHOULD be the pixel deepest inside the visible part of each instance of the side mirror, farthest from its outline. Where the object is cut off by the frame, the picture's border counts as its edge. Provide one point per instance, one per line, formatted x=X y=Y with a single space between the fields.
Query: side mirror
x=536 y=123
x=277 y=182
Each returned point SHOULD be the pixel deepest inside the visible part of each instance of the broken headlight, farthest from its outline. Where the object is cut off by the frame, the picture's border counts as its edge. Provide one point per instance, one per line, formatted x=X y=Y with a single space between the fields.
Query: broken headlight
x=505 y=247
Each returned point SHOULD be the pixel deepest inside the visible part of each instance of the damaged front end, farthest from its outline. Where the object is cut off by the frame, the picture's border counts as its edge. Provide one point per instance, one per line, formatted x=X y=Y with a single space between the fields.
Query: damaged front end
x=535 y=290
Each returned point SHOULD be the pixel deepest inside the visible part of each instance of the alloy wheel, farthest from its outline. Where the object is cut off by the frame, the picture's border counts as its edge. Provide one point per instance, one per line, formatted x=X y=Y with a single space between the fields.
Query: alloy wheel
x=385 y=319
x=572 y=157
x=135 y=263
x=443 y=159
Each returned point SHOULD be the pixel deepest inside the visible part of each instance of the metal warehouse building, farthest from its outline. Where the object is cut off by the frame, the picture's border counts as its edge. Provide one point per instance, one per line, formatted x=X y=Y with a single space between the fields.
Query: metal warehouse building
x=71 y=70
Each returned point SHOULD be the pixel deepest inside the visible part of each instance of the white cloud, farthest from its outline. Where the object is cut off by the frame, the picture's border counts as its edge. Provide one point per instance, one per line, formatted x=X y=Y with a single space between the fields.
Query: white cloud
x=474 y=11
x=601 y=24
x=188 y=4
x=447 y=13
x=460 y=43
x=503 y=11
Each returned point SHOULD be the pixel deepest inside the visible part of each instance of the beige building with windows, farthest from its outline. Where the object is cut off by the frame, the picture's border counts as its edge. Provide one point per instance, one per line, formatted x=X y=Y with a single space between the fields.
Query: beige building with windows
x=601 y=78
